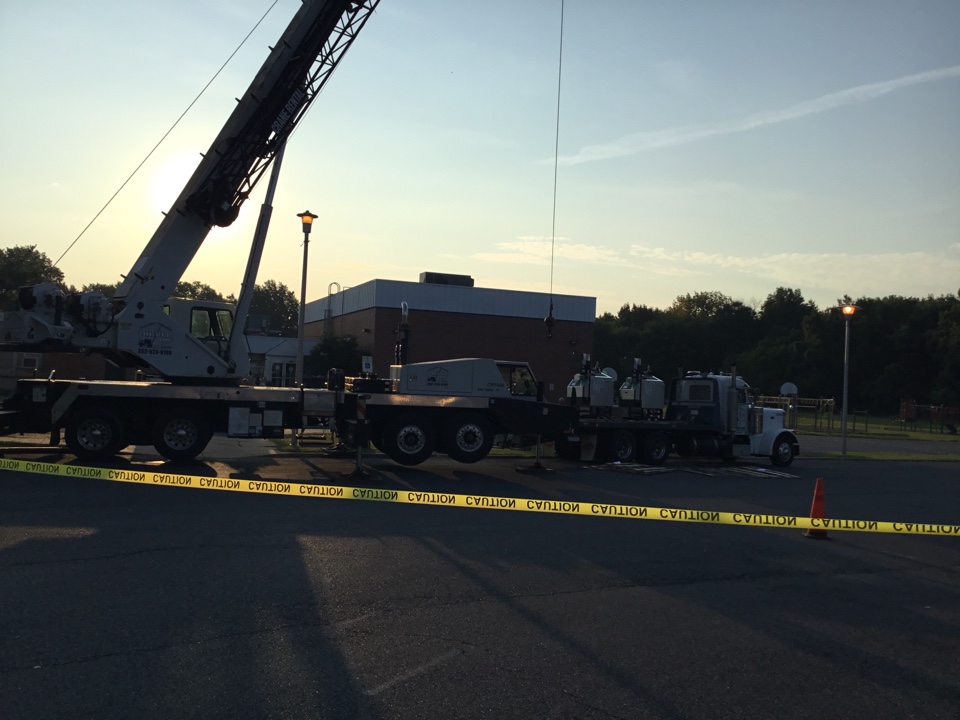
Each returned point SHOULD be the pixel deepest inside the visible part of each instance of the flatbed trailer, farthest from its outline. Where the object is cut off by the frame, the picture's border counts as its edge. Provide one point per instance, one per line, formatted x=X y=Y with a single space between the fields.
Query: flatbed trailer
x=702 y=415
x=99 y=418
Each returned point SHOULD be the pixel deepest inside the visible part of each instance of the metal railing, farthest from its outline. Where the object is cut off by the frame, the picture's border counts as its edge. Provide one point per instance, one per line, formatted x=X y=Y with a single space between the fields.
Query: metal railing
x=929 y=418
x=810 y=413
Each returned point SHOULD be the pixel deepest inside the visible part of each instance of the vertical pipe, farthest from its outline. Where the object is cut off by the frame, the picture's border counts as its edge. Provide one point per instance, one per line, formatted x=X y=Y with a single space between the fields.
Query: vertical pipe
x=846 y=373
x=298 y=372
x=303 y=302
x=237 y=347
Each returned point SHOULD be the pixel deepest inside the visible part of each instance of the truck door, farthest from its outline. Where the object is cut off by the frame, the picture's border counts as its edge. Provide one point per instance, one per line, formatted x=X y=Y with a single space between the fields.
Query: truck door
x=743 y=412
x=211 y=326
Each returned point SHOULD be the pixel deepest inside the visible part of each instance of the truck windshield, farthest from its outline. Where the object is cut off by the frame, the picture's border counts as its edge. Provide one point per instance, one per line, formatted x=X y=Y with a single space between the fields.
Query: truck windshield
x=200 y=323
x=210 y=322
x=225 y=321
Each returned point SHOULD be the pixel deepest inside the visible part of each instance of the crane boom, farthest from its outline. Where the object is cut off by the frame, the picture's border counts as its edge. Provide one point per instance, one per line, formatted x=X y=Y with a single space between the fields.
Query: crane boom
x=291 y=77
x=142 y=325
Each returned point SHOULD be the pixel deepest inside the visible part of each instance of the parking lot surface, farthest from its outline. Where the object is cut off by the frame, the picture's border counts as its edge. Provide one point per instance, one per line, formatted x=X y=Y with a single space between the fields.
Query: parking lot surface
x=121 y=600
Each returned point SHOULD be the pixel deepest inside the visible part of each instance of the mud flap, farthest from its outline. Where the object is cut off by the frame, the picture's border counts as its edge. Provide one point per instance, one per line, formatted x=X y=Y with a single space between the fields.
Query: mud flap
x=588 y=447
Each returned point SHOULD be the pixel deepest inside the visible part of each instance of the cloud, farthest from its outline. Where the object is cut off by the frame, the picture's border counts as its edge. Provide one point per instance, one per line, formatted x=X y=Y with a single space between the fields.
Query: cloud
x=860 y=274
x=533 y=250
x=640 y=142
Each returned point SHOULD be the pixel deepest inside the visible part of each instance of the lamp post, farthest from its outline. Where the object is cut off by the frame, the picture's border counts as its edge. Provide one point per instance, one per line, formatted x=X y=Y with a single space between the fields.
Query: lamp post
x=306 y=219
x=848 y=311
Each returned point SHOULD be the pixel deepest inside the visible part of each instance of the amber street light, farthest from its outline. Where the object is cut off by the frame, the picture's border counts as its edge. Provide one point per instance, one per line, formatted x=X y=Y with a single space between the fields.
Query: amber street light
x=848 y=312
x=307 y=219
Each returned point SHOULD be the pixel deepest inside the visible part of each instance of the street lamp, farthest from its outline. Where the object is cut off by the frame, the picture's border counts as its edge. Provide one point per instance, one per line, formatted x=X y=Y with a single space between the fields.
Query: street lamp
x=848 y=311
x=307 y=219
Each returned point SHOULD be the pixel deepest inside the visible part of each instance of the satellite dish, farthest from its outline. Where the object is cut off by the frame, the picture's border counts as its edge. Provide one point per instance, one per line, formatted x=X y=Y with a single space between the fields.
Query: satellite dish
x=610 y=372
x=788 y=388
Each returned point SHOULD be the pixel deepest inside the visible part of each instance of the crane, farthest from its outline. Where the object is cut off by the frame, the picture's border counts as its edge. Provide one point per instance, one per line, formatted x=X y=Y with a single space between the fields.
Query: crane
x=142 y=325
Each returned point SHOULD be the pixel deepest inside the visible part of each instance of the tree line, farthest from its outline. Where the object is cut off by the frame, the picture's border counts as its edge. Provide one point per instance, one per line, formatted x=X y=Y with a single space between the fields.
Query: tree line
x=899 y=347
x=25 y=265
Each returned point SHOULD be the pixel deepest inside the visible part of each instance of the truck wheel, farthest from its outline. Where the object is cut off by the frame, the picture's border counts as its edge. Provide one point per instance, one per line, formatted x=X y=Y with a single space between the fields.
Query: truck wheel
x=655 y=448
x=782 y=454
x=409 y=438
x=622 y=446
x=470 y=439
x=94 y=434
x=181 y=436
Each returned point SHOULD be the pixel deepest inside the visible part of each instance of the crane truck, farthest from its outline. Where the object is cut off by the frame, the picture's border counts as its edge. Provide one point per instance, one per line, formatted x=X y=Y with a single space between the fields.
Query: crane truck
x=198 y=350
x=702 y=414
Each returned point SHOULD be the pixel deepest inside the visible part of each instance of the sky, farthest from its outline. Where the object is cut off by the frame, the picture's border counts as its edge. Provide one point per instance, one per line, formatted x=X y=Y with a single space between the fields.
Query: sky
x=735 y=146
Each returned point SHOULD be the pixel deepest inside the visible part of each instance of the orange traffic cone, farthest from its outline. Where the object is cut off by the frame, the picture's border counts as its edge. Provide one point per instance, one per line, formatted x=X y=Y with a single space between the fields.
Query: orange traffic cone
x=818 y=510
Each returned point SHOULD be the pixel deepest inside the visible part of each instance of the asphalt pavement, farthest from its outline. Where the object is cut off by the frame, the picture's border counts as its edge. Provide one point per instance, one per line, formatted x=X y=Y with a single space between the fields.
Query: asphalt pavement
x=122 y=600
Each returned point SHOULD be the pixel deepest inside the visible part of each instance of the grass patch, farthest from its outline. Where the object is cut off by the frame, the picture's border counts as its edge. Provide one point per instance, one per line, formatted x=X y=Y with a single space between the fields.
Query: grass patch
x=873 y=427
x=906 y=457
x=884 y=434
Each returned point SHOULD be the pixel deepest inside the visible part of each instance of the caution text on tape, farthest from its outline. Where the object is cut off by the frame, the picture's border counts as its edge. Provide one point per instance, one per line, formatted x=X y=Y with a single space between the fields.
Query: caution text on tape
x=476 y=502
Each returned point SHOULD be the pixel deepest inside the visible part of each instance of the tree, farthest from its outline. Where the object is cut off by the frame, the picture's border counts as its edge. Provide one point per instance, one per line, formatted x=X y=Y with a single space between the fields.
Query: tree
x=637 y=316
x=784 y=310
x=711 y=330
x=197 y=290
x=709 y=304
x=279 y=304
x=332 y=351
x=946 y=340
x=105 y=288
x=24 y=265
x=779 y=355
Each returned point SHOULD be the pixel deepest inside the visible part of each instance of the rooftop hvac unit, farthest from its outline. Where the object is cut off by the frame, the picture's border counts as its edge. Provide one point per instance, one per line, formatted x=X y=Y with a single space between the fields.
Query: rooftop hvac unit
x=435 y=278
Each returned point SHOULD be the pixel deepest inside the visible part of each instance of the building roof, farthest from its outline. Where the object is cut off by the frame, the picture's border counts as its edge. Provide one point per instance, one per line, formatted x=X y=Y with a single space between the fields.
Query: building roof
x=451 y=298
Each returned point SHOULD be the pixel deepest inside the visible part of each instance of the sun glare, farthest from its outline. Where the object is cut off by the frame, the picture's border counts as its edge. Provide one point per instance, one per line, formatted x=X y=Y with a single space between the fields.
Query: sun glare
x=167 y=182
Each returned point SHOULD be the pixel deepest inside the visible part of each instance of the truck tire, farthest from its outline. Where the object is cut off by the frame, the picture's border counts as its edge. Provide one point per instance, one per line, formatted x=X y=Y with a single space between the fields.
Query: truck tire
x=94 y=433
x=181 y=435
x=469 y=439
x=621 y=447
x=654 y=448
x=782 y=454
x=409 y=438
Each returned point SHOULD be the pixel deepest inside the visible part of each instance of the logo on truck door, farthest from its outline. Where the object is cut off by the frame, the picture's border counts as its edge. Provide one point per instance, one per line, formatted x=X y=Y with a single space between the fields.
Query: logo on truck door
x=154 y=339
x=438 y=377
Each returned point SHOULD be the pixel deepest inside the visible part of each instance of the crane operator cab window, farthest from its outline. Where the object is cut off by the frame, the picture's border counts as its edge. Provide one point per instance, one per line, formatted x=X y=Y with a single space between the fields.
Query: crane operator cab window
x=519 y=379
x=211 y=326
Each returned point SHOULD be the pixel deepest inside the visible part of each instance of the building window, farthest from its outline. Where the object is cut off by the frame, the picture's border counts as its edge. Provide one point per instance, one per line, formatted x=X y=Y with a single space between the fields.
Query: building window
x=29 y=362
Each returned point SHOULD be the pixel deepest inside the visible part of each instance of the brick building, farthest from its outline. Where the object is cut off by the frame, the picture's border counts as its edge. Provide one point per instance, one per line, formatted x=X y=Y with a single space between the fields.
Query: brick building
x=450 y=318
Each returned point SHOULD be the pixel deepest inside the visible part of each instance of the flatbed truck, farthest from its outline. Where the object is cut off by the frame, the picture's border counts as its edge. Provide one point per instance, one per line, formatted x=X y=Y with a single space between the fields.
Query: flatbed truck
x=703 y=414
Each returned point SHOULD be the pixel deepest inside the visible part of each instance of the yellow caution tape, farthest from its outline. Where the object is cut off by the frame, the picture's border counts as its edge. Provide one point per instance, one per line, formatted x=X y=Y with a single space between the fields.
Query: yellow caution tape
x=479 y=502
